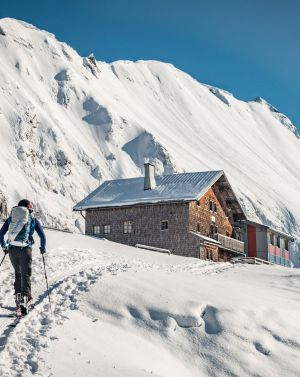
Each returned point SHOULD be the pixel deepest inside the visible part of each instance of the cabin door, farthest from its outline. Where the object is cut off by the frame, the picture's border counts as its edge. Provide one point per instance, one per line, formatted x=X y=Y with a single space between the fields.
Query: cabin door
x=206 y=253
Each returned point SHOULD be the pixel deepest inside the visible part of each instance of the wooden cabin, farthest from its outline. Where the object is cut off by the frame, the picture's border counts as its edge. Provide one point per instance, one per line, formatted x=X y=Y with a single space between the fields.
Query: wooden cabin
x=189 y=214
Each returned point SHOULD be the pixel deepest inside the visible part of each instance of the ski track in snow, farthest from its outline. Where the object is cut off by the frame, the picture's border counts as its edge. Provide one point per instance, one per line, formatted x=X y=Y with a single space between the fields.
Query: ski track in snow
x=70 y=274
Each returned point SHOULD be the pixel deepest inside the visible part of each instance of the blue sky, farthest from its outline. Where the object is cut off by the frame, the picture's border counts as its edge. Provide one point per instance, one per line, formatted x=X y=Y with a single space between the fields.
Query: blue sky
x=250 y=48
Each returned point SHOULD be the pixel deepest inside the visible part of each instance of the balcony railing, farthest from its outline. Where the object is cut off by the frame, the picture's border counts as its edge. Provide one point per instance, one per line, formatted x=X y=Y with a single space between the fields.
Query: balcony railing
x=229 y=243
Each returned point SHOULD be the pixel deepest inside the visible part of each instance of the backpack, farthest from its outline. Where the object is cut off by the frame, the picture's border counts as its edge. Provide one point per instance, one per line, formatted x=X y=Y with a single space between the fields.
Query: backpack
x=19 y=226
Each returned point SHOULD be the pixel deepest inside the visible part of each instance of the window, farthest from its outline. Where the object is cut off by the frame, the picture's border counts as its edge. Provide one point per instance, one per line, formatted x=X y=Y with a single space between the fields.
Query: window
x=271 y=239
x=164 y=225
x=106 y=229
x=212 y=206
x=198 y=203
x=213 y=229
x=96 y=229
x=286 y=244
x=198 y=227
x=127 y=227
x=278 y=241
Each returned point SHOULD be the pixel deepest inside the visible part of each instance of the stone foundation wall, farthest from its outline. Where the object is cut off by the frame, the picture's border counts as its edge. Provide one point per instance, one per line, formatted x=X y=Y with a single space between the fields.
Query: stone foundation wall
x=225 y=255
x=209 y=252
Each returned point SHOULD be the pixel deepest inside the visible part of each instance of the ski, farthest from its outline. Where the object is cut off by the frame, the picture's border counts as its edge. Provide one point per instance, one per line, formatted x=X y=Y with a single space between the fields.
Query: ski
x=19 y=315
x=17 y=318
x=16 y=321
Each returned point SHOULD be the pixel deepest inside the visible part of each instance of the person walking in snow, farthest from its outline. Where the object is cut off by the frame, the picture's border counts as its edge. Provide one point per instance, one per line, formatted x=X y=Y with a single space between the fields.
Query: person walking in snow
x=20 y=227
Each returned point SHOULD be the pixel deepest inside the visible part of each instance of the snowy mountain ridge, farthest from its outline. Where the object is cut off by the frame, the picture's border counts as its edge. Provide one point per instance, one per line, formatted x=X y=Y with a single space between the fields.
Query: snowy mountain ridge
x=68 y=123
x=283 y=119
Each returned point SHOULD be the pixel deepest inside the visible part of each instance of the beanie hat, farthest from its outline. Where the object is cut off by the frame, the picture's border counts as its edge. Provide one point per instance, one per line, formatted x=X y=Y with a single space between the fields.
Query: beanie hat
x=25 y=203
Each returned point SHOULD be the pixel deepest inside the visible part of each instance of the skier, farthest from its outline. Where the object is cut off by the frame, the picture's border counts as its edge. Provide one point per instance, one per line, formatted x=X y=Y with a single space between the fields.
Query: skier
x=20 y=227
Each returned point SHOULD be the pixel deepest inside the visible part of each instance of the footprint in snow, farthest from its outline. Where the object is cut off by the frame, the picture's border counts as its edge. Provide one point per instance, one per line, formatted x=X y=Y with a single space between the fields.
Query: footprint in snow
x=182 y=320
x=260 y=348
x=210 y=317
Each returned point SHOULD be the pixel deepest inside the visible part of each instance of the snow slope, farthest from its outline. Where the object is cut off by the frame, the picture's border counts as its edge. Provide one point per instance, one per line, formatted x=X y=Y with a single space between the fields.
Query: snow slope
x=121 y=311
x=68 y=123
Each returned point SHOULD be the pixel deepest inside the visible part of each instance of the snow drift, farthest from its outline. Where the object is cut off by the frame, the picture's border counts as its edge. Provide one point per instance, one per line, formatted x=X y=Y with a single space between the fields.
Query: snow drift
x=68 y=123
x=122 y=311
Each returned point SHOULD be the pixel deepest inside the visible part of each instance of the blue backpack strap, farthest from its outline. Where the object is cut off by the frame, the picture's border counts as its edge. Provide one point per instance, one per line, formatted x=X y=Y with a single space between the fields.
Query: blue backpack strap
x=32 y=225
x=28 y=228
x=31 y=231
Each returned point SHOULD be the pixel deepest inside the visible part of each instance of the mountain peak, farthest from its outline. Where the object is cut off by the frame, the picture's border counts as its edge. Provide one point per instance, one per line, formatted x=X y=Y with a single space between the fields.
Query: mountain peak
x=20 y=29
x=9 y=22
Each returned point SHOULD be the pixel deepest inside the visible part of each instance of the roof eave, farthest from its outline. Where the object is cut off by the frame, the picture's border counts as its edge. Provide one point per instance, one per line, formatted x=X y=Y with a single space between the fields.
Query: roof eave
x=84 y=208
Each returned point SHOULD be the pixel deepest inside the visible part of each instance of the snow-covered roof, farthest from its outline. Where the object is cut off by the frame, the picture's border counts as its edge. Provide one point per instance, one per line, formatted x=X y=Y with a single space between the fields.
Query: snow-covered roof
x=273 y=230
x=169 y=188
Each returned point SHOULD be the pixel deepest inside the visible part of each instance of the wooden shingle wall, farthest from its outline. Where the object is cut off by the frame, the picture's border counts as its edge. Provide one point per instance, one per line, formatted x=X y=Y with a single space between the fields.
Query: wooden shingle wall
x=146 y=226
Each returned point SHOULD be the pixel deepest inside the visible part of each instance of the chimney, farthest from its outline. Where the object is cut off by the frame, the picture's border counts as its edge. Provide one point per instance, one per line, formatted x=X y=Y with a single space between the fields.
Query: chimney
x=149 y=180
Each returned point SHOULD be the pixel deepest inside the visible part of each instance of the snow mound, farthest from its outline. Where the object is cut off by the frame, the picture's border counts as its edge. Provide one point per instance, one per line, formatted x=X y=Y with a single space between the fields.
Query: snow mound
x=144 y=148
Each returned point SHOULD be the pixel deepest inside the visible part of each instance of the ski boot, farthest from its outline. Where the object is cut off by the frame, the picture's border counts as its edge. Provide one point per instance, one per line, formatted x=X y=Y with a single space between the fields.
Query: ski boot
x=26 y=304
x=18 y=305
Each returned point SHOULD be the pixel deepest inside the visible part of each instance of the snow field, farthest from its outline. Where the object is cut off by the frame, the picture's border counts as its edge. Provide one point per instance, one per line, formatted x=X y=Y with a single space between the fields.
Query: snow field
x=71 y=270
x=122 y=311
x=215 y=325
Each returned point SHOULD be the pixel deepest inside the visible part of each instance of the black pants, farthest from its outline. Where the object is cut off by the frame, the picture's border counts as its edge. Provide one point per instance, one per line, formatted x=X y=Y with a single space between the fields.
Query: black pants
x=21 y=259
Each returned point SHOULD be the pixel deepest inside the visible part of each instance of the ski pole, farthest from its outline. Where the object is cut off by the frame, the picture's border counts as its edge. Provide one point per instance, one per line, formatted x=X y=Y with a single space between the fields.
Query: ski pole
x=47 y=284
x=3 y=259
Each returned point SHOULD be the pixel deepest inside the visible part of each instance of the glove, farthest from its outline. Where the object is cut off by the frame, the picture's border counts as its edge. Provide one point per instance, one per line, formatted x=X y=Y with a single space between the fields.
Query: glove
x=5 y=250
x=43 y=251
